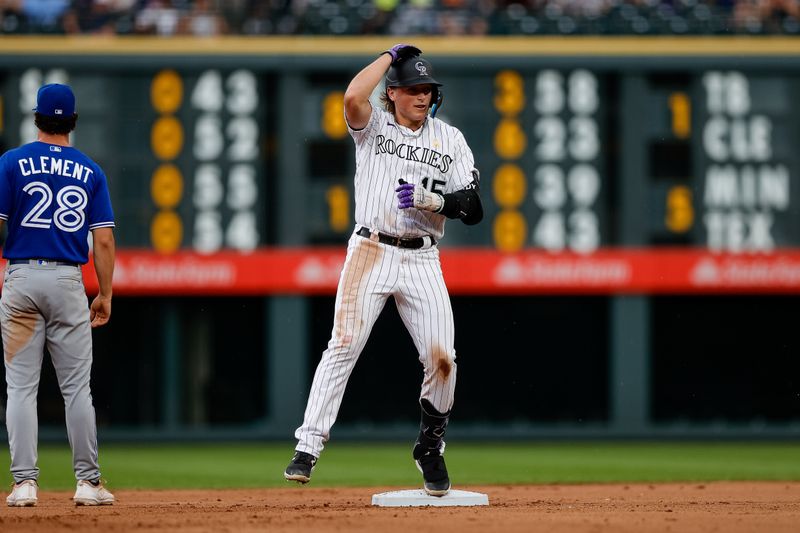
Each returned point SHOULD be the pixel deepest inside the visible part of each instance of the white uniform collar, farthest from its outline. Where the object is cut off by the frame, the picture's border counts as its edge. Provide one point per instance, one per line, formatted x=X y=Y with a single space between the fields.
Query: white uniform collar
x=405 y=131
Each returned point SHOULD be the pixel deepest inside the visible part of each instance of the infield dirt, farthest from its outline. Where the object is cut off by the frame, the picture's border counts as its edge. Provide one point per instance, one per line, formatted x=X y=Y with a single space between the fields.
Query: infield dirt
x=729 y=507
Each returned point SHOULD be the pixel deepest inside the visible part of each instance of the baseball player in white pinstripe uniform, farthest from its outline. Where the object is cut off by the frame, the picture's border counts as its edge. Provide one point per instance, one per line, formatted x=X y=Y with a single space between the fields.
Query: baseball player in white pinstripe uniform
x=412 y=172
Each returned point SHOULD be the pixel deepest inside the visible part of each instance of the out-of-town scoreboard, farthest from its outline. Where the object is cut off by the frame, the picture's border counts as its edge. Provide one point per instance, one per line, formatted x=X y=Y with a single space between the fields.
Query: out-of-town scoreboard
x=229 y=152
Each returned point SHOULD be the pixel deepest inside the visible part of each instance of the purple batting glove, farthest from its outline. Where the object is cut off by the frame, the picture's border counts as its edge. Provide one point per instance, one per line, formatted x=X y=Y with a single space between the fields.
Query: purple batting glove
x=405 y=195
x=399 y=52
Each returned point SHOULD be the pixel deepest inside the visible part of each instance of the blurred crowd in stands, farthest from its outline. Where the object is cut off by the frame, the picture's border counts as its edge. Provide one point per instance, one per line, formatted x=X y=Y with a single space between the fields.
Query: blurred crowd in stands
x=400 y=17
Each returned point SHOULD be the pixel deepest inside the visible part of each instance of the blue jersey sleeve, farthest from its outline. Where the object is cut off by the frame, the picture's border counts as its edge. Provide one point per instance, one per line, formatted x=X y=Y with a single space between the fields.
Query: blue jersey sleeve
x=100 y=213
x=6 y=194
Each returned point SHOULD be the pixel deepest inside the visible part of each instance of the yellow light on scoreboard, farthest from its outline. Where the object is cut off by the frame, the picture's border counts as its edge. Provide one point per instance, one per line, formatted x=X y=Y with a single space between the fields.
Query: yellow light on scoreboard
x=681 y=108
x=333 y=123
x=509 y=139
x=166 y=232
x=510 y=231
x=166 y=138
x=166 y=186
x=680 y=211
x=508 y=186
x=509 y=97
x=338 y=207
x=166 y=91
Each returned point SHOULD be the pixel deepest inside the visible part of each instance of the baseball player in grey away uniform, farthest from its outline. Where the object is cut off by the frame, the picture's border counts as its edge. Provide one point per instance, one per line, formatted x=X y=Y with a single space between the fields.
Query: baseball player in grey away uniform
x=51 y=196
x=412 y=172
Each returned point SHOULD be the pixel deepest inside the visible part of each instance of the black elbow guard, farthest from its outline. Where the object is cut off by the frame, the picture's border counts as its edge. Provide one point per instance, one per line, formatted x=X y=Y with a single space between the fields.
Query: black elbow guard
x=465 y=205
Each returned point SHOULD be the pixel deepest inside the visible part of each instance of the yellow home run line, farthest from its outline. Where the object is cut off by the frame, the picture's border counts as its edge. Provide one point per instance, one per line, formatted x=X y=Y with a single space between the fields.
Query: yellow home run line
x=360 y=46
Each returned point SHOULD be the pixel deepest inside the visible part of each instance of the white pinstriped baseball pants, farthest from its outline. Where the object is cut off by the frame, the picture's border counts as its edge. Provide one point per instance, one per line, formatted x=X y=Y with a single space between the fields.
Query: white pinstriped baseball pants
x=372 y=273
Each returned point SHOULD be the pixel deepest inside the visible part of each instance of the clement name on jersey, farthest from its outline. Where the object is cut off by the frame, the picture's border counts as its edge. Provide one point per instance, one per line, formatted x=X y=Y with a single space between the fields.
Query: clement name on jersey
x=29 y=166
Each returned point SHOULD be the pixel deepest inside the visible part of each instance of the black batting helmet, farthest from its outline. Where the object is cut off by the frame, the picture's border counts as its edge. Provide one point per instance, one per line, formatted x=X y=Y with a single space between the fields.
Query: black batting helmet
x=415 y=71
x=411 y=71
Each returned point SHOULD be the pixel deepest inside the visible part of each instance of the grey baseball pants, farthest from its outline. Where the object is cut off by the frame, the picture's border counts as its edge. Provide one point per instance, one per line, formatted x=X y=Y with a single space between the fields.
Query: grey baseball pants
x=45 y=305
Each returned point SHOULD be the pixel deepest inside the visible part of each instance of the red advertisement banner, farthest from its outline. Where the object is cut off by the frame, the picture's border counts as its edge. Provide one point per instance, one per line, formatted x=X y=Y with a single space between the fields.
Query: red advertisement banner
x=467 y=271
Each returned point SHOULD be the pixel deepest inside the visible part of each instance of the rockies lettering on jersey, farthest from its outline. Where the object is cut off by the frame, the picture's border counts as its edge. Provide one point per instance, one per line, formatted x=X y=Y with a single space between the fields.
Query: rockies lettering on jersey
x=411 y=153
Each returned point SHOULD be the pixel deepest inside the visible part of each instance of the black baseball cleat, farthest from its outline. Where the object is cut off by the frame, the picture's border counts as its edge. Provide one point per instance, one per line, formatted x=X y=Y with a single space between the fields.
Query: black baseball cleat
x=300 y=468
x=434 y=473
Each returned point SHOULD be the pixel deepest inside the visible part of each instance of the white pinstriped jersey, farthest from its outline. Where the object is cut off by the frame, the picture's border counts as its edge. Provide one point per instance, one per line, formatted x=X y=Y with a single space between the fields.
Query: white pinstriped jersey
x=435 y=156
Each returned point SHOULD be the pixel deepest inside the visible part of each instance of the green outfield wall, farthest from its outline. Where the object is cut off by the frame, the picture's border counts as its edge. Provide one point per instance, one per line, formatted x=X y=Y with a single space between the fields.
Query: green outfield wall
x=637 y=273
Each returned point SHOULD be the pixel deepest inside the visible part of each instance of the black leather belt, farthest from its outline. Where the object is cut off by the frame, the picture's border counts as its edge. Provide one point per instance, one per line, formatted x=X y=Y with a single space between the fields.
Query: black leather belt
x=41 y=262
x=413 y=243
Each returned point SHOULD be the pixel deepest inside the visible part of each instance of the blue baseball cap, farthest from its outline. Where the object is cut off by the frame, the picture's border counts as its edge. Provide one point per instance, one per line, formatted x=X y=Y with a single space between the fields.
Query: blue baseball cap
x=55 y=100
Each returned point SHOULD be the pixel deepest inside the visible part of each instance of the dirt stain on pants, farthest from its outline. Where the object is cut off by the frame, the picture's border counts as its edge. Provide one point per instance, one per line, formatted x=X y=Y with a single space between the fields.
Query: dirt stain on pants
x=18 y=329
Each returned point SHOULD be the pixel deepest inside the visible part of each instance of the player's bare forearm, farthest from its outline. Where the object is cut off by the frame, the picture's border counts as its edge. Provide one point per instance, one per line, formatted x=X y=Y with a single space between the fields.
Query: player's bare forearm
x=104 y=252
x=356 y=98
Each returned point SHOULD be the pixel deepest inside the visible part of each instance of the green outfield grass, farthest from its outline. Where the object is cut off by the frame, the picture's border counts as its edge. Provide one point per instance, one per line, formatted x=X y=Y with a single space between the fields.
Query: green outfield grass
x=343 y=464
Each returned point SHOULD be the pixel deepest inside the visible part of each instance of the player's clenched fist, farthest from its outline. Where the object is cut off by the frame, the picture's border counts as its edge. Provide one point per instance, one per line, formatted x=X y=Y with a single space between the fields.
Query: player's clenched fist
x=409 y=195
x=399 y=52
